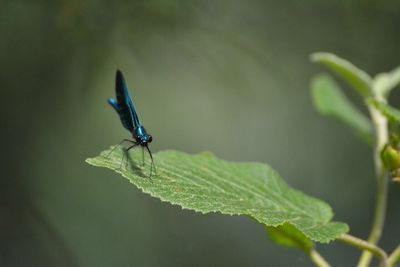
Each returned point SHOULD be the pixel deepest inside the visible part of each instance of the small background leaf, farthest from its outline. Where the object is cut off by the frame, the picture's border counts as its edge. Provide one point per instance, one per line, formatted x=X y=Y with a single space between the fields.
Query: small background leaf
x=385 y=82
x=356 y=77
x=330 y=100
x=206 y=184
x=393 y=114
x=287 y=235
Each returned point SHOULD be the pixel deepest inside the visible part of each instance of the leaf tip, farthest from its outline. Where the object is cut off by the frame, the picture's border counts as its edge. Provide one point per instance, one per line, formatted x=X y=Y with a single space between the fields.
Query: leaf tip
x=319 y=56
x=91 y=161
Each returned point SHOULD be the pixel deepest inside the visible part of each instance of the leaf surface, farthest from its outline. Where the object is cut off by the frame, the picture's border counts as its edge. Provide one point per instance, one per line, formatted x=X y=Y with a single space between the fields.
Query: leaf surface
x=289 y=236
x=205 y=184
x=329 y=100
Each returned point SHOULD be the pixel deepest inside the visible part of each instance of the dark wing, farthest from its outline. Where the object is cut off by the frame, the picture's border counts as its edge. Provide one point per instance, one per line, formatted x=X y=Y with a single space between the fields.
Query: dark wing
x=123 y=115
x=124 y=99
x=123 y=104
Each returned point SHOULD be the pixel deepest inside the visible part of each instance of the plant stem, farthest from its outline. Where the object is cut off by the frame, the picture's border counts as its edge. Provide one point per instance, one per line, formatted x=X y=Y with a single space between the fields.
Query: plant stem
x=317 y=259
x=381 y=135
x=394 y=257
x=364 y=245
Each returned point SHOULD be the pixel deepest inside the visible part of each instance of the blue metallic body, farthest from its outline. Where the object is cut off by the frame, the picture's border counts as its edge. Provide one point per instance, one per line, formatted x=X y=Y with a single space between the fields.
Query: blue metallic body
x=125 y=108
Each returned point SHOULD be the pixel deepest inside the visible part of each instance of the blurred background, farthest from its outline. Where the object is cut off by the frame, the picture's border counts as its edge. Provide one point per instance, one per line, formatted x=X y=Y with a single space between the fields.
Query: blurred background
x=231 y=77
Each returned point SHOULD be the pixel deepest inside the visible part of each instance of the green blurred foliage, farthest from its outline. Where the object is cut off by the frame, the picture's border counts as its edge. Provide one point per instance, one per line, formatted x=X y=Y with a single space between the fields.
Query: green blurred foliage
x=227 y=76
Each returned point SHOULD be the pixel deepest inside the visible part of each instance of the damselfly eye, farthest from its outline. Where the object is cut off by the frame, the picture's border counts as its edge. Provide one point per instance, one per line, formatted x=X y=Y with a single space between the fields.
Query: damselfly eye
x=150 y=139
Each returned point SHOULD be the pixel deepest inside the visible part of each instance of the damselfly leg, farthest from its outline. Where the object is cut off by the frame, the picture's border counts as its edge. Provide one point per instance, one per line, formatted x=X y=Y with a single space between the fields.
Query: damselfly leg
x=119 y=144
x=152 y=162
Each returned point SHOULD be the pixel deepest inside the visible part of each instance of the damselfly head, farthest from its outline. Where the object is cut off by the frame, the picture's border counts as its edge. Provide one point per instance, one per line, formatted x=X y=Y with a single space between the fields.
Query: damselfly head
x=145 y=139
x=141 y=136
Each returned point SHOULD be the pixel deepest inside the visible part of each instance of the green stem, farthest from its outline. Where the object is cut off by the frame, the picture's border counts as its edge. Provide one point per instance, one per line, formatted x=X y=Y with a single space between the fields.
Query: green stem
x=366 y=246
x=317 y=259
x=394 y=257
x=381 y=135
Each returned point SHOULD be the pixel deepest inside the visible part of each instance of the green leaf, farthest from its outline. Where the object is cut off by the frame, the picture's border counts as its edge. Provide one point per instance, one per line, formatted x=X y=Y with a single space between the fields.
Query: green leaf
x=356 y=77
x=385 y=82
x=329 y=100
x=393 y=114
x=206 y=184
x=288 y=235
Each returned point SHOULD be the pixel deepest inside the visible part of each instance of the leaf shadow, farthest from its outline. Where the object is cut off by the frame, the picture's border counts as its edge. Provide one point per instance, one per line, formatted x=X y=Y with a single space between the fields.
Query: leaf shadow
x=132 y=165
